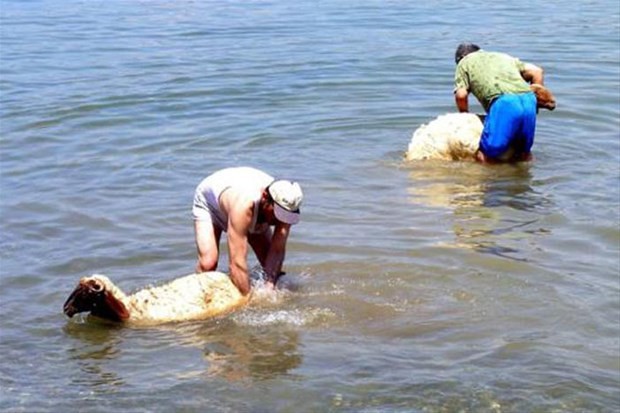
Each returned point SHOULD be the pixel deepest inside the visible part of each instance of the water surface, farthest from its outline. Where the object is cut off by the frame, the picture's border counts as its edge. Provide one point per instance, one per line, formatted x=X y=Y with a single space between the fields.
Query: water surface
x=411 y=287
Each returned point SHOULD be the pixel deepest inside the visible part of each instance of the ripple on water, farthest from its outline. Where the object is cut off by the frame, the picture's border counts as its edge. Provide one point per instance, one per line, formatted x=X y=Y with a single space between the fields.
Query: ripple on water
x=426 y=287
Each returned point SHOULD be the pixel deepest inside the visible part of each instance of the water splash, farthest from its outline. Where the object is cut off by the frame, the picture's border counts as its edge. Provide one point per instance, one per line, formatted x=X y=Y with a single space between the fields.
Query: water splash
x=295 y=317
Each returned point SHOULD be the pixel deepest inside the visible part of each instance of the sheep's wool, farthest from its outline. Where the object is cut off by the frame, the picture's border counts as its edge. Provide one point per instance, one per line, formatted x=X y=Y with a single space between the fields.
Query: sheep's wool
x=193 y=297
x=454 y=136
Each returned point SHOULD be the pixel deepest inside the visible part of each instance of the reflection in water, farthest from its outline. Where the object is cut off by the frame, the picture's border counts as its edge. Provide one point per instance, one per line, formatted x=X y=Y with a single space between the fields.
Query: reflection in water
x=236 y=352
x=95 y=345
x=235 y=347
x=258 y=354
x=240 y=347
x=495 y=207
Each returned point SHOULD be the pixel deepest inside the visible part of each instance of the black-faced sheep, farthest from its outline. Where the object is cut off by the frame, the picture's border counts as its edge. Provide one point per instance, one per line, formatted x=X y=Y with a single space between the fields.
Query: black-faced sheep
x=193 y=297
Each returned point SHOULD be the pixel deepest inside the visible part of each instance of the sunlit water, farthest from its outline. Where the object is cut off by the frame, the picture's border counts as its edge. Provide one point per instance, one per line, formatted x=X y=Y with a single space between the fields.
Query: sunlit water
x=410 y=287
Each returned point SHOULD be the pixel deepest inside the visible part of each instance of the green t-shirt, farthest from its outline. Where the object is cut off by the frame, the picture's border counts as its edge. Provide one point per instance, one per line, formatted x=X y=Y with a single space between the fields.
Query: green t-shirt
x=490 y=74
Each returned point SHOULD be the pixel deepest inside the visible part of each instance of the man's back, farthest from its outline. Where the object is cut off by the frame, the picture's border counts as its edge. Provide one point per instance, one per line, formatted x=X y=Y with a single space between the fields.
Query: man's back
x=490 y=74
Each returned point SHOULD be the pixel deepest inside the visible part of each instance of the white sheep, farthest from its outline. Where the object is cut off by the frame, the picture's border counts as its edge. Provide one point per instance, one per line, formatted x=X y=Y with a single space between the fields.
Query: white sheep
x=456 y=136
x=193 y=297
x=450 y=137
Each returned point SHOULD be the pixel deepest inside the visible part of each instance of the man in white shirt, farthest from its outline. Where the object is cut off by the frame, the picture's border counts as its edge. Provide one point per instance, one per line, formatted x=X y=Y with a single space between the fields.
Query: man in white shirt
x=246 y=203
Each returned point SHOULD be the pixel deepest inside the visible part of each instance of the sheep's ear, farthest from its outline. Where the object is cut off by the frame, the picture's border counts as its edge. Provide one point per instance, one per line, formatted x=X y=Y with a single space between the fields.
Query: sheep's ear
x=116 y=306
x=74 y=303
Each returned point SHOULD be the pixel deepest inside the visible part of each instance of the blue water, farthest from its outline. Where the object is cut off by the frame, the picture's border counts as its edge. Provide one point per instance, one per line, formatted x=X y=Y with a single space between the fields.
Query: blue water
x=410 y=287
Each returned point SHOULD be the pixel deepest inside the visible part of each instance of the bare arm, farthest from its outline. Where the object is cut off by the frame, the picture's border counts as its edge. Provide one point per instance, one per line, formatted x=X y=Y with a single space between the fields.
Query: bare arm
x=533 y=74
x=239 y=221
x=460 y=97
x=277 y=251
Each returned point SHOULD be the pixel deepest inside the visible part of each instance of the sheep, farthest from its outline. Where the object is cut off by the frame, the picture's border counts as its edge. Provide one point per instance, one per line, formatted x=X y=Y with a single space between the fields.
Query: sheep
x=192 y=297
x=450 y=137
x=544 y=97
x=456 y=136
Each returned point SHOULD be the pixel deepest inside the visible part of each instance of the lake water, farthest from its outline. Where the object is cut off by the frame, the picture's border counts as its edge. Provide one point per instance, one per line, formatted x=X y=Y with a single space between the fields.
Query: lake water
x=411 y=287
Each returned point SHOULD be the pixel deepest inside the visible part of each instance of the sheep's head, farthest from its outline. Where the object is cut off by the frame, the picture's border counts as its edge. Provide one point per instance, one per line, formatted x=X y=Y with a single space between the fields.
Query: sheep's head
x=92 y=295
x=544 y=97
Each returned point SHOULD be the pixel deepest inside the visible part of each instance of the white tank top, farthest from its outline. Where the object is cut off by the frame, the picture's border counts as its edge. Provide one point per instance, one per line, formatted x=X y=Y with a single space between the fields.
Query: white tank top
x=247 y=180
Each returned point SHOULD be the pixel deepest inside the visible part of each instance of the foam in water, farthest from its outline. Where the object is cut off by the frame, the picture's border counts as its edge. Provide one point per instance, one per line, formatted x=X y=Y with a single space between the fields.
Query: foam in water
x=261 y=292
x=294 y=317
x=267 y=302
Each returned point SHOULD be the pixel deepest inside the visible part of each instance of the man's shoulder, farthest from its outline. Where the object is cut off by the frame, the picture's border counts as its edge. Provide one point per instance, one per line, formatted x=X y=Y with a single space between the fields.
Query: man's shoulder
x=239 y=208
x=237 y=198
x=485 y=55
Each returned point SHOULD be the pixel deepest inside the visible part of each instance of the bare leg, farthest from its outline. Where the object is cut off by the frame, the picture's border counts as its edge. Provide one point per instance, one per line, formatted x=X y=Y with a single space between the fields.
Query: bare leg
x=480 y=157
x=207 y=244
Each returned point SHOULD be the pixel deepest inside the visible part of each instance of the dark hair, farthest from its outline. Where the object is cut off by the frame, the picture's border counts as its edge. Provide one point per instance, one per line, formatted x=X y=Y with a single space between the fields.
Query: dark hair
x=268 y=193
x=463 y=50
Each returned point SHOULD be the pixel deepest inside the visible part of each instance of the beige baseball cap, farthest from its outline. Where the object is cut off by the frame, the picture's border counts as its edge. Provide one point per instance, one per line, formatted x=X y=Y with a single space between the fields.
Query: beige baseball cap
x=287 y=197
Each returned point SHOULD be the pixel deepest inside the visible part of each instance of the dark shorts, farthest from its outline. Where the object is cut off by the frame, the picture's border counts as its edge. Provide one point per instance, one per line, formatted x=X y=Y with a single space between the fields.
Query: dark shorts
x=509 y=126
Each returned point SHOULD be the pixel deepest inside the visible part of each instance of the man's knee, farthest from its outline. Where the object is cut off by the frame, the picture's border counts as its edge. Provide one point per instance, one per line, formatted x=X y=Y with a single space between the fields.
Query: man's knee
x=207 y=262
x=494 y=148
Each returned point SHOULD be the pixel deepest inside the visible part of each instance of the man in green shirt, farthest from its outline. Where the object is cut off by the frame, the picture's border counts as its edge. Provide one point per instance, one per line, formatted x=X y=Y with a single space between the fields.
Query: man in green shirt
x=500 y=83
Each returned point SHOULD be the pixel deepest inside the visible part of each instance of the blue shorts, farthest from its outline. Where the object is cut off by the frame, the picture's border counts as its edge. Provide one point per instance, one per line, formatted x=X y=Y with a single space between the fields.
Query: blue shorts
x=509 y=126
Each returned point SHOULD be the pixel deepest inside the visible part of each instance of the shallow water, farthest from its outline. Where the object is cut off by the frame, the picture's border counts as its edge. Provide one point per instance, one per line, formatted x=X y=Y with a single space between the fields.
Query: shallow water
x=423 y=286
